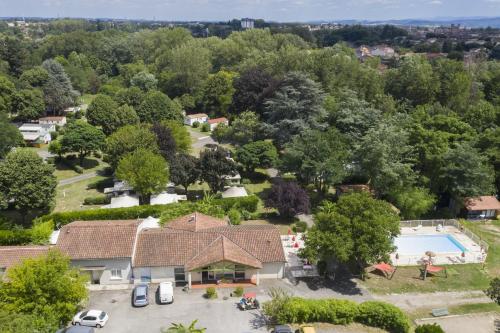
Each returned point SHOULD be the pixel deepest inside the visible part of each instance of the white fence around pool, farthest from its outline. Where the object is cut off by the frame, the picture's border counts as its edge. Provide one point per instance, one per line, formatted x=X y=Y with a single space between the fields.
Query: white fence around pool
x=444 y=223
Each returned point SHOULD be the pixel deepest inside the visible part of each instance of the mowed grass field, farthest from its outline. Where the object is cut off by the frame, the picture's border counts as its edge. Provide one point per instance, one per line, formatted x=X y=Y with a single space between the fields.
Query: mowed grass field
x=460 y=277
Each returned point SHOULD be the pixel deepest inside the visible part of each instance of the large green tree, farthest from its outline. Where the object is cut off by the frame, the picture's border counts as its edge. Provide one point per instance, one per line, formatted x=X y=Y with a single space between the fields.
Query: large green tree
x=466 y=172
x=58 y=90
x=146 y=171
x=10 y=136
x=413 y=80
x=127 y=139
x=296 y=106
x=82 y=138
x=26 y=182
x=216 y=167
x=180 y=134
x=106 y=113
x=357 y=230
x=217 y=93
x=317 y=157
x=46 y=287
x=157 y=106
x=257 y=154
x=28 y=104
x=184 y=170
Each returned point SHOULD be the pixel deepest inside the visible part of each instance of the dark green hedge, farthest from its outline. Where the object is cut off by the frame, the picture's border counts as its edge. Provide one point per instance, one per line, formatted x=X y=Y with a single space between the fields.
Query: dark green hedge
x=97 y=200
x=249 y=203
x=15 y=237
x=343 y=312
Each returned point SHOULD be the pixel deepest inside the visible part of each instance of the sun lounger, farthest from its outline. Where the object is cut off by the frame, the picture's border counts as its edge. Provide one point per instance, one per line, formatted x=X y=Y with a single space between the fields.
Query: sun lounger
x=440 y=312
x=417 y=227
x=439 y=228
x=453 y=260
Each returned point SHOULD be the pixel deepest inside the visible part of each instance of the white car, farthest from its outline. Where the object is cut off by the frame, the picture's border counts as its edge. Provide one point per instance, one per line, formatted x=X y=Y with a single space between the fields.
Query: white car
x=166 y=292
x=96 y=318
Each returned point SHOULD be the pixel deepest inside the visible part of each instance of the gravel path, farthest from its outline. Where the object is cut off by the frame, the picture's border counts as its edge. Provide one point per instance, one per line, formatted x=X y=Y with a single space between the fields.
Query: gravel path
x=76 y=179
x=411 y=301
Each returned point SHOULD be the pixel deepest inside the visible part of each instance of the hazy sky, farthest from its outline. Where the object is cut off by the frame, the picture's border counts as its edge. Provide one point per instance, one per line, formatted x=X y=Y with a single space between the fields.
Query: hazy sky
x=278 y=10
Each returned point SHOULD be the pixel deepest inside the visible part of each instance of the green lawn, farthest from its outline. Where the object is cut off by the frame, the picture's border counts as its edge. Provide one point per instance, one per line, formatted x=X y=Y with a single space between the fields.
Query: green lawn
x=460 y=277
x=90 y=164
x=457 y=310
x=87 y=98
x=70 y=197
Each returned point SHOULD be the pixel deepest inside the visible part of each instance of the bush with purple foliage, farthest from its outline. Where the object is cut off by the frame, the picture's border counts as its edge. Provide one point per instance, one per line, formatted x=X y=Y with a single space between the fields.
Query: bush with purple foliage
x=288 y=198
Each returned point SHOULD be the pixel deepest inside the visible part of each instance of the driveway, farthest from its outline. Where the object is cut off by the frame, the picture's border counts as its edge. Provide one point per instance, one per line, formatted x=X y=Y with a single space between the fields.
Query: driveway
x=219 y=315
x=477 y=323
x=76 y=179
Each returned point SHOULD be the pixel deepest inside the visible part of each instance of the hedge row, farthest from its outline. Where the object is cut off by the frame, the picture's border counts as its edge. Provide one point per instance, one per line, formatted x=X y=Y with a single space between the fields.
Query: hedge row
x=39 y=234
x=343 y=312
x=249 y=203
x=97 y=200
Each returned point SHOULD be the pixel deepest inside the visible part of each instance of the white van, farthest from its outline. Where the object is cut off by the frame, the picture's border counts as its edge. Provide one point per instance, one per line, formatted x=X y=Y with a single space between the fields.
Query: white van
x=166 y=292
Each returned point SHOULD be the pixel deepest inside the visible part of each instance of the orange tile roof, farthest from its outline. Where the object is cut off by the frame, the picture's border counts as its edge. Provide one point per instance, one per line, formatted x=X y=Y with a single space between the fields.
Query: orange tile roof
x=195 y=222
x=217 y=120
x=489 y=202
x=98 y=239
x=13 y=255
x=249 y=245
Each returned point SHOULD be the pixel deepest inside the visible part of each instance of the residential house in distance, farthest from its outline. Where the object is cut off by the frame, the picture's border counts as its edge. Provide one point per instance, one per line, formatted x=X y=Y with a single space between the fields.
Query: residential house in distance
x=72 y=109
x=190 y=119
x=37 y=134
x=483 y=207
x=383 y=51
x=53 y=120
x=216 y=122
x=247 y=23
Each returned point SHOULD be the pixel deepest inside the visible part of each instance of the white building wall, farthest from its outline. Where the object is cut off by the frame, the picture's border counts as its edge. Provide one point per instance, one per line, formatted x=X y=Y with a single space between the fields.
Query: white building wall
x=123 y=264
x=272 y=270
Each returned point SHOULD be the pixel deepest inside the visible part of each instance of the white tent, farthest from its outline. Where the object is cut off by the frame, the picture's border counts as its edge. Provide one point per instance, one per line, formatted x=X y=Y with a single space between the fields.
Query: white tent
x=235 y=192
x=149 y=223
x=164 y=198
x=126 y=200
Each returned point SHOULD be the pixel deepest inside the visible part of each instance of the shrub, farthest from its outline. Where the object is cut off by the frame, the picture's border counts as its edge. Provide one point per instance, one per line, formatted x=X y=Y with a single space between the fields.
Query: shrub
x=15 y=237
x=205 y=127
x=78 y=169
x=286 y=309
x=245 y=215
x=299 y=226
x=383 y=315
x=40 y=233
x=429 y=328
x=54 y=135
x=249 y=203
x=238 y=292
x=246 y=181
x=196 y=124
x=211 y=293
x=100 y=184
x=97 y=200
x=97 y=154
x=234 y=216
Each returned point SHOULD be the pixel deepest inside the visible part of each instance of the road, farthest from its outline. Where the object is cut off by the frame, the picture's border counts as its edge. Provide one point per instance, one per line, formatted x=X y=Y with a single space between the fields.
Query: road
x=76 y=179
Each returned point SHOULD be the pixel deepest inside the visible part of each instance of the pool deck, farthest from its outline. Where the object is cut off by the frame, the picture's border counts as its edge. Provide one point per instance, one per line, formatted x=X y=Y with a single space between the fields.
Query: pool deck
x=474 y=253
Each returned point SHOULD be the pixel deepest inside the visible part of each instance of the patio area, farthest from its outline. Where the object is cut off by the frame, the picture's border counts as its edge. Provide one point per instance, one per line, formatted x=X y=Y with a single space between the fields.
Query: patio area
x=295 y=265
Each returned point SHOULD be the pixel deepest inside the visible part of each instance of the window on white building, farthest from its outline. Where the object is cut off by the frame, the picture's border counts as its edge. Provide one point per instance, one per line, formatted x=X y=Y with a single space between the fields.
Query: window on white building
x=116 y=274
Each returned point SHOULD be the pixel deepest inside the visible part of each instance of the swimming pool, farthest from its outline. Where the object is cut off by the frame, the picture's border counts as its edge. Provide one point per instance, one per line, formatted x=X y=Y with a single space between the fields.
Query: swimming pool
x=419 y=244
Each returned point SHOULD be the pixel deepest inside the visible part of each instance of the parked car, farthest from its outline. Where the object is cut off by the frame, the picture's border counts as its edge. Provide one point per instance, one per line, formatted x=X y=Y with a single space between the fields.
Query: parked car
x=282 y=329
x=307 y=329
x=96 y=318
x=166 y=292
x=76 y=329
x=141 y=295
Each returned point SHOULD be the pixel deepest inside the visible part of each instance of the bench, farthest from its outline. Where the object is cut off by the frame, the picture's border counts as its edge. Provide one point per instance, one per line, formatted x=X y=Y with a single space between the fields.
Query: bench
x=440 y=312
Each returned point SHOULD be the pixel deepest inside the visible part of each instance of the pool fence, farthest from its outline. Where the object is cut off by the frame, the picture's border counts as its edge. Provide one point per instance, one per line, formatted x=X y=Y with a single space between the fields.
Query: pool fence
x=444 y=223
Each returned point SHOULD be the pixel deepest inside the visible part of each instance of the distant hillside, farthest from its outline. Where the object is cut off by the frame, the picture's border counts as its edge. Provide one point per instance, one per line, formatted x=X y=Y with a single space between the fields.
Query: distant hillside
x=473 y=22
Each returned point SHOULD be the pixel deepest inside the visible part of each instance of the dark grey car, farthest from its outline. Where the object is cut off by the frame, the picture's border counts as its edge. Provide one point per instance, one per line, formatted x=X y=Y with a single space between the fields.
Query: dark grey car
x=282 y=329
x=140 y=296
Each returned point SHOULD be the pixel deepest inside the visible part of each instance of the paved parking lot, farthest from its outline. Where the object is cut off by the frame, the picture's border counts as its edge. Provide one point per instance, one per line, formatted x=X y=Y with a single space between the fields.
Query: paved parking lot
x=219 y=315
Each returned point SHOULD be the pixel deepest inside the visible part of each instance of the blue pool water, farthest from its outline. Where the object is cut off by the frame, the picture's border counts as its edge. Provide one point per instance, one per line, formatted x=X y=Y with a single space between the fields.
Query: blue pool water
x=419 y=244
